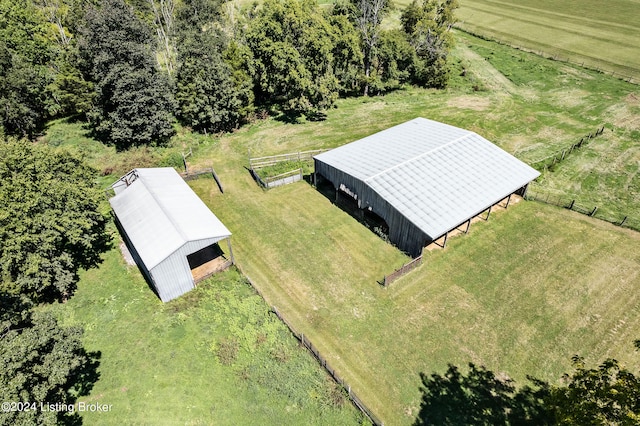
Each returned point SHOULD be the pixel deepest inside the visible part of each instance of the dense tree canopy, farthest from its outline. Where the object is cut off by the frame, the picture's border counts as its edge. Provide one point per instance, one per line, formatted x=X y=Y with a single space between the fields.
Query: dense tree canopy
x=50 y=225
x=292 y=47
x=211 y=95
x=25 y=51
x=608 y=394
x=43 y=363
x=134 y=102
x=428 y=26
x=129 y=66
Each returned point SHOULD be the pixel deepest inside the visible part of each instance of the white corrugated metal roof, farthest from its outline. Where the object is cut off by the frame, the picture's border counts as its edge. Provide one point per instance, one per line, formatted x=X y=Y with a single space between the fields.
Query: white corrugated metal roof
x=160 y=213
x=434 y=174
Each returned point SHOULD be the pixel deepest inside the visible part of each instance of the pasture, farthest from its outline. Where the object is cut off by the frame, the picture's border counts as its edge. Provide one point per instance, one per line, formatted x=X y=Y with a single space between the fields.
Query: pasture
x=602 y=35
x=520 y=294
x=215 y=356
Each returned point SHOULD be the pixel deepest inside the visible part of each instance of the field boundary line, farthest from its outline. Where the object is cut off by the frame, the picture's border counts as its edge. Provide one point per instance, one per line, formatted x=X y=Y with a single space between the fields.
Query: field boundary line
x=623 y=221
x=632 y=79
x=356 y=401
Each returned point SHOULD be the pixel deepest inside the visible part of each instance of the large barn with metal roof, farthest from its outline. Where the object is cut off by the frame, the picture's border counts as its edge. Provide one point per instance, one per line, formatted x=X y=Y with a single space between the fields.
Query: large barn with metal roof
x=424 y=178
x=171 y=234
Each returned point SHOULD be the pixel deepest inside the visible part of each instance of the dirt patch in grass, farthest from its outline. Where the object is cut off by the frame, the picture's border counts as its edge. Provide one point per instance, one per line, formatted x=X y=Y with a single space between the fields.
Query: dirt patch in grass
x=624 y=115
x=475 y=103
x=569 y=98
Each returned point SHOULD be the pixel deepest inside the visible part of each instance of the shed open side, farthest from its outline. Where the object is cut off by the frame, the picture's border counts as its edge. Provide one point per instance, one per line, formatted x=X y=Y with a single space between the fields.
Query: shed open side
x=164 y=223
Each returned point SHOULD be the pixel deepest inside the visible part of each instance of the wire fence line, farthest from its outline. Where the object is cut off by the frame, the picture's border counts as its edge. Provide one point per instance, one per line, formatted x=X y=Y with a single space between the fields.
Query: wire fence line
x=566 y=202
x=550 y=161
x=321 y=360
x=583 y=63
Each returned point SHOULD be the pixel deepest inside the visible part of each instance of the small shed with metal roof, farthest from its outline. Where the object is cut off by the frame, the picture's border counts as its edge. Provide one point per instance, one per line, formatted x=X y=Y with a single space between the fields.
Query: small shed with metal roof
x=424 y=178
x=171 y=234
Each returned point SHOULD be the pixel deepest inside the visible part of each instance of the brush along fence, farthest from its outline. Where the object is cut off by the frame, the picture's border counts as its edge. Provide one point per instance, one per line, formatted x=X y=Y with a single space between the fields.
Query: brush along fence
x=323 y=362
x=622 y=220
x=555 y=158
x=277 y=170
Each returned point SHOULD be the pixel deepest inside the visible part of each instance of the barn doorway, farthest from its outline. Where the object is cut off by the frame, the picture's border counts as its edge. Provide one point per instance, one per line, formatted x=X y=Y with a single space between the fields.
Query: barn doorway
x=206 y=262
x=347 y=203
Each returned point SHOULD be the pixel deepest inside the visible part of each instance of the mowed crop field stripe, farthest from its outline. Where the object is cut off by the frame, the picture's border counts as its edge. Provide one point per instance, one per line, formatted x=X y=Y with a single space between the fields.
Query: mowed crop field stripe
x=602 y=35
x=573 y=26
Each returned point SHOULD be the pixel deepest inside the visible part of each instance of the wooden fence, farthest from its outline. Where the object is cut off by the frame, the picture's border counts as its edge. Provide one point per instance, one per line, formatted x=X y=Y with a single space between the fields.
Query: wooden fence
x=323 y=362
x=622 y=220
x=257 y=163
x=281 y=179
x=195 y=174
x=551 y=160
x=404 y=269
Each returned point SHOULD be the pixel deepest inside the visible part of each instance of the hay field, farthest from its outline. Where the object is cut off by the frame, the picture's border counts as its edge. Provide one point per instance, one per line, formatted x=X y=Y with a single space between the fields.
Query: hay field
x=602 y=35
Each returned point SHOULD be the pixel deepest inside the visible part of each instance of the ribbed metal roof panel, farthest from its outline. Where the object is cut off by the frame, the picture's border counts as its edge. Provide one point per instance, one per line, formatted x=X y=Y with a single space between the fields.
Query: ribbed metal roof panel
x=436 y=175
x=160 y=213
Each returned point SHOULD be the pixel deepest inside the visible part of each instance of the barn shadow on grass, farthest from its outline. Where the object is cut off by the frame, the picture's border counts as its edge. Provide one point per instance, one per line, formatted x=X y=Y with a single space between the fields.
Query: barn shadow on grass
x=349 y=205
x=480 y=398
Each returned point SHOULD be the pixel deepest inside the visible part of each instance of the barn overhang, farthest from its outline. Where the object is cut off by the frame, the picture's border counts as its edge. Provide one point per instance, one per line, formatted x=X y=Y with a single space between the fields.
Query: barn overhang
x=424 y=178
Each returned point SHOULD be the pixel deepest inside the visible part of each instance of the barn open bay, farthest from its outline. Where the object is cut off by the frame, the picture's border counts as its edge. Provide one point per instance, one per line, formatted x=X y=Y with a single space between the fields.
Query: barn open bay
x=520 y=294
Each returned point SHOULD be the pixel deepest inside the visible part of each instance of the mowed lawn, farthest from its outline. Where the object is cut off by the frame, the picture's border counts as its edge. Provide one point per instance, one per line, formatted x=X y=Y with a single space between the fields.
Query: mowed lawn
x=602 y=34
x=520 y=294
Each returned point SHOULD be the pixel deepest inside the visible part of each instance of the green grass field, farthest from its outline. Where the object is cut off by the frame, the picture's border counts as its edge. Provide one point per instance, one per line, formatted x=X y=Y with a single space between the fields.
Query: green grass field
x=165 y=364
x=602 y=35
x=521 y=294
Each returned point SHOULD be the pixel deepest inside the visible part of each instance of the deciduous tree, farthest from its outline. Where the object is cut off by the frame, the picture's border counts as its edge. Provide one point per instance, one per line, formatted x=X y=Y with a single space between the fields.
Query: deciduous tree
x=133 y=104
x=43 y=364
x=212 y=92
x=25 y=51
x=606 y=395
x=50 y=223
x=292 y=48
x=428 y=26
x=368 y=18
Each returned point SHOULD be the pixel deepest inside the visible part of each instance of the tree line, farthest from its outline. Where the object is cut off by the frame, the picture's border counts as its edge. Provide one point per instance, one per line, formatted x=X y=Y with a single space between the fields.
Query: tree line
x=132 y=68
x=51 y=227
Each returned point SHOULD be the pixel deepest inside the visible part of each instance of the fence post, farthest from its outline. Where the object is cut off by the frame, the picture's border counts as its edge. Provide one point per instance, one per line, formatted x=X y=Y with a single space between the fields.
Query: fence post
x=571 y=205
x=623 y=221
x=594 y=211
